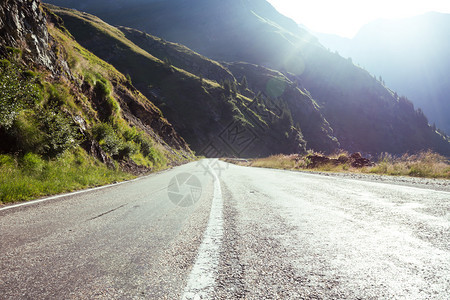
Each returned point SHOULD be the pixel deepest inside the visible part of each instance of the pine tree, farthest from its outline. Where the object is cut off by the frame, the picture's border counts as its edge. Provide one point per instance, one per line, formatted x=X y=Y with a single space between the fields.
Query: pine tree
x=244 y=83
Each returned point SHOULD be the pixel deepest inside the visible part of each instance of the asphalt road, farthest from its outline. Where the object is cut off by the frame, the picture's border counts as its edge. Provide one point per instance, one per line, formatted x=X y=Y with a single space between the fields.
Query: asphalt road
x=209 y=230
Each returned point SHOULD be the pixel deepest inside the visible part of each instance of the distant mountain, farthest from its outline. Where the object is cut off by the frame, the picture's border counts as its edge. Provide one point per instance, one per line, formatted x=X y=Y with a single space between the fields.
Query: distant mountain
x=412 y=57
x=361 y=112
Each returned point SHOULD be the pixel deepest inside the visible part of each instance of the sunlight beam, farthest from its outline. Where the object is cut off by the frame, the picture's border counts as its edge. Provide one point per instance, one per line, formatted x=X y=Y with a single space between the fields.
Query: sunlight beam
x=346 y=17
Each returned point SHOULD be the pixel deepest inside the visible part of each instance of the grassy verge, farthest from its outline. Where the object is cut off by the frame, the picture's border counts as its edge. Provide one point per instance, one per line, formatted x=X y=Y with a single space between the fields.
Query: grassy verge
x=30 y=176
x=426 y=164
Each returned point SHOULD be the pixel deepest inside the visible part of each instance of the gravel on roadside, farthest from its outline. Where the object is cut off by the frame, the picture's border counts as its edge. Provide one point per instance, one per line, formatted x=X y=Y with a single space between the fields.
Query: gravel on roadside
x=429 y=183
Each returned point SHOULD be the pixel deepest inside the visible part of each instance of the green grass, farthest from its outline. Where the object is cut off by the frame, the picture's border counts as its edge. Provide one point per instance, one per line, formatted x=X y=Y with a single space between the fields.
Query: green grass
x=426 y=164
x=40 y=140
x=138 y=146
x=31 y=176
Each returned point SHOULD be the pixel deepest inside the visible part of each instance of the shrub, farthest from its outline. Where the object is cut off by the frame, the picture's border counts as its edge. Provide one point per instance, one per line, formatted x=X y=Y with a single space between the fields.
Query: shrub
x=127 y=149
x=59 y=132
x=108 y=139
x=146 y=147
x=157 y=157
x=25 y=135
x=144 y=142
x=7 y=161
x=130 y=134
x=17 y=92
x=103 y=92
x=55 y=97
x=102 y=89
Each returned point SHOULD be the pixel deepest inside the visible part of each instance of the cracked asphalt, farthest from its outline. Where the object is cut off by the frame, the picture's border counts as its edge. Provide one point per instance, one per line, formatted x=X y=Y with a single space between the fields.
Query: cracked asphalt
x=286 y=235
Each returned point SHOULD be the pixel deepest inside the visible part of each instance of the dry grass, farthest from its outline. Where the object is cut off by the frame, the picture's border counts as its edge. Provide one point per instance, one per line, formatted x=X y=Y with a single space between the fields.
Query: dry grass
x=425 y=164
x=276 y=161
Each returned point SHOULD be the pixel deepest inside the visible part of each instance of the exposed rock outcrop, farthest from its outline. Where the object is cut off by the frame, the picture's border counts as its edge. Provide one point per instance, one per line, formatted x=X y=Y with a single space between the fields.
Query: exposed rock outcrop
x=23 y=25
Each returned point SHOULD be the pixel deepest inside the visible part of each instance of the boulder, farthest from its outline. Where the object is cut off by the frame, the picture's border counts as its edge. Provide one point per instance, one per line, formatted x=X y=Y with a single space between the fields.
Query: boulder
x=357 y=161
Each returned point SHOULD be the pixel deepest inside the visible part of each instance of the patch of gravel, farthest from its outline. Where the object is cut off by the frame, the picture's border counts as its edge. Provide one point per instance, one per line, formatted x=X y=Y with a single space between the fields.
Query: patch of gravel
x=428 y=183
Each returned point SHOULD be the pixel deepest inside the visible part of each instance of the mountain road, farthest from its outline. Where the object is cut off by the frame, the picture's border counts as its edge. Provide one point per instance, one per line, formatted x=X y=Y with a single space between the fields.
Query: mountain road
x=213 y=230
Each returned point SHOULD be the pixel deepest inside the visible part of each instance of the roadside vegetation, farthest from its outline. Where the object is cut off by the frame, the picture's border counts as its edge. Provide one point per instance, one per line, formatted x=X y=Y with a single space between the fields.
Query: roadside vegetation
x=30 y=176
x=41 y=141
x=55 y=138
x=425 y=164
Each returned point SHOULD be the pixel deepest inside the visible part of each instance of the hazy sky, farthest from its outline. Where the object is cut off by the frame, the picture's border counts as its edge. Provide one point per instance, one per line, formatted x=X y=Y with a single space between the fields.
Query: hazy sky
x=345 y=17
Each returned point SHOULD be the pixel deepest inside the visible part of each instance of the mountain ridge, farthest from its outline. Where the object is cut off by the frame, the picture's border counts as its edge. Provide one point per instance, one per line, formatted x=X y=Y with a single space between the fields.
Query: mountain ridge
x=234 y=32
x=410 y=55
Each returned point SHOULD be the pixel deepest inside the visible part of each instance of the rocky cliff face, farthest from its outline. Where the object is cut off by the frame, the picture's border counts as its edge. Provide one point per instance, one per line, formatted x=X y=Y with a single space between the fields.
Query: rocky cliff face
x=23 y=25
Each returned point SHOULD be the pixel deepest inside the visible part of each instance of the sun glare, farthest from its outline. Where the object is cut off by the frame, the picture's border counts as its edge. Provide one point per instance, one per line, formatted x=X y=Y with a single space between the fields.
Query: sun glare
x=346 y=17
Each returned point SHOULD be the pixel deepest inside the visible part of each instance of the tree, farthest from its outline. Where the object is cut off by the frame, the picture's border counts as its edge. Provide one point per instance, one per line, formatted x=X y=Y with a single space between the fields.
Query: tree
x=167 y=62
x=244 y=83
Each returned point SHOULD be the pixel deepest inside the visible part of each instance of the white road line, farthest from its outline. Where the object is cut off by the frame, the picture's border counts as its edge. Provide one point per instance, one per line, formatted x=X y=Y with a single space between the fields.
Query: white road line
x=202 y=279
x=67 y=194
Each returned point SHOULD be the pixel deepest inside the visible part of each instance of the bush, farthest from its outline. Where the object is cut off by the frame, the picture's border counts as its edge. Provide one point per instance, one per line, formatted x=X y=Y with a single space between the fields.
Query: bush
x=130 y=134
x=55 y=98
x=102 y=89
x=7 y=161
x=127 y=149
x=59 y=132
x=145 y=143
x=157 y=157
x=108 y=139
x=103 y=92
x=24 y=135
x=146 y=147
x=17 y=92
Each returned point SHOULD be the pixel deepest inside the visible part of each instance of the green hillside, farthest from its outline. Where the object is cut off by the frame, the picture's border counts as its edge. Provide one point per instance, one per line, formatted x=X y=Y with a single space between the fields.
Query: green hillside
x=207 y=113
x=68 y=119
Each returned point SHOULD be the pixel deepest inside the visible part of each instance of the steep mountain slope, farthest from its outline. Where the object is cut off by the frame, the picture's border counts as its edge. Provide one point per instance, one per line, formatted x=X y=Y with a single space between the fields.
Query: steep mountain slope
x=208 y=114
x=411 y=55
x=66 y=98
x=277 y=92
x=254 y=32
x=178 y=55
x=246 y=30
x=284 y=95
